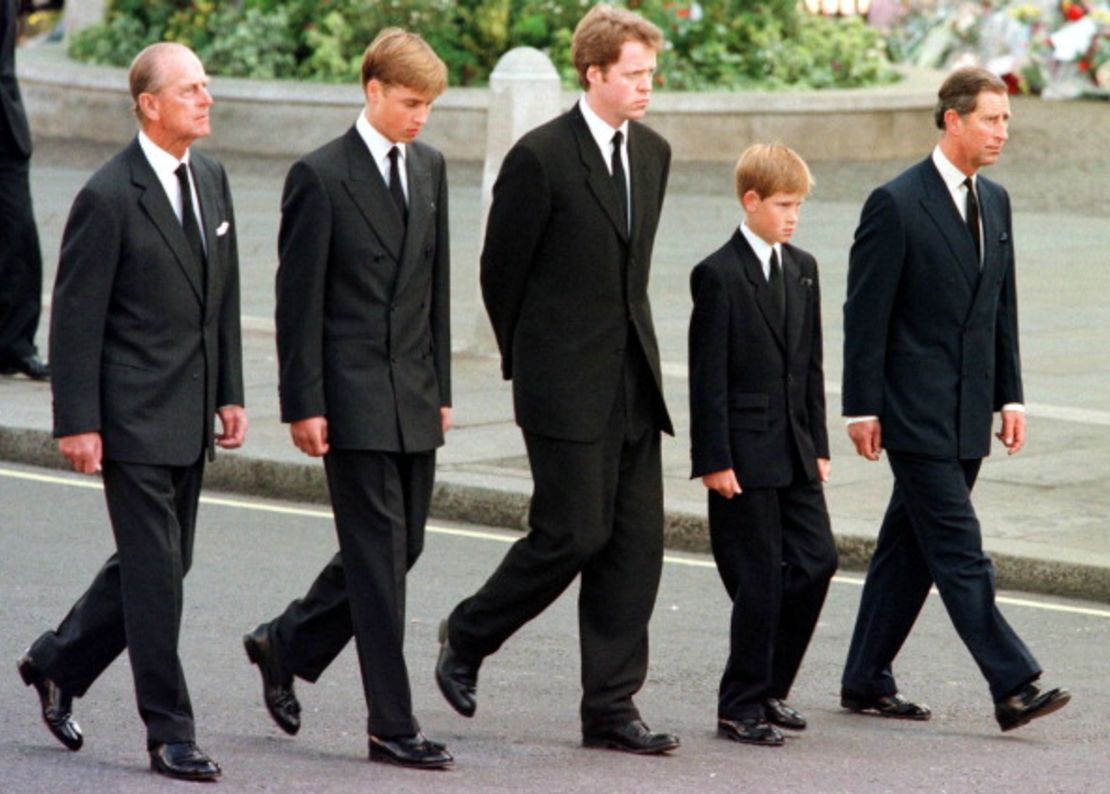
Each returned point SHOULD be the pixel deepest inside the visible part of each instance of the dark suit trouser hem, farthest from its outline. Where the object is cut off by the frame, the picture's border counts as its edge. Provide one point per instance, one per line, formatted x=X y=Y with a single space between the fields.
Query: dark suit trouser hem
x=596 y=511
x=135 y=600
x=930 y=534
x=380 y=501
x=20 y=263
x=776 y=555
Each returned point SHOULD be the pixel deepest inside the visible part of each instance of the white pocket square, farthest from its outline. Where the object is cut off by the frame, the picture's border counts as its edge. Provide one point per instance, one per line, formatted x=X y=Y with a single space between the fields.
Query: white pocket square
x=221 y=230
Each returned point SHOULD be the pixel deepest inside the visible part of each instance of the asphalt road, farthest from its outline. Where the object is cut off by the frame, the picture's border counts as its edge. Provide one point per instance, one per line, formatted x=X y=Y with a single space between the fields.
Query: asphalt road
x=252 y=556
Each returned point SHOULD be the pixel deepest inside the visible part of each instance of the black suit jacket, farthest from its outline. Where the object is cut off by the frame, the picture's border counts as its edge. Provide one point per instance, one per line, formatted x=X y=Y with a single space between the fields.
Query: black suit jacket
x=564 y=286
x=757 y=396
x=930 y=341
x=15 y=135
x=363 y=312
x=144 y=346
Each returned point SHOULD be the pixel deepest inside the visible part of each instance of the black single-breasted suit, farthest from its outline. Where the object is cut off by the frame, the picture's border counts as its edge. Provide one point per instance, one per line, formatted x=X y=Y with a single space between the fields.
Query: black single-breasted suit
x=757 y=406
x=145 y=345
x=363 y=326
x=931 y=348
x=20 y=257
x=565 y=286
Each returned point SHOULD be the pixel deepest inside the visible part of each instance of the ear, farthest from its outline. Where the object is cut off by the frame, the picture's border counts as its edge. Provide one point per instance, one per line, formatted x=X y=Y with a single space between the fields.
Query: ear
x=373 y=90
x=148 y=104
x=594 y=74
x=952 y=120
x=751 y=200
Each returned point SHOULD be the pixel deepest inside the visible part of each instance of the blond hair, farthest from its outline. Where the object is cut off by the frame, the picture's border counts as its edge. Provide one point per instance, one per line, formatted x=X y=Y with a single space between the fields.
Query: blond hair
x=397 y=57
x=600 y=34
x=769 y=168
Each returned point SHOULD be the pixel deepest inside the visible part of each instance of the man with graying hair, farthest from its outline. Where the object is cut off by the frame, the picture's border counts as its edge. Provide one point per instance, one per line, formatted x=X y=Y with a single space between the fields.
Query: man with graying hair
x=145 y=342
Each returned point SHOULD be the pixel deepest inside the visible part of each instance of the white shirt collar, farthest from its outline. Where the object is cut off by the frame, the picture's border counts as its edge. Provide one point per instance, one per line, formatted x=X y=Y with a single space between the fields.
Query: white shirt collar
x=601 y=131
x=953 y=177
x=378 y=144
x=160 y=160
x=761 y=247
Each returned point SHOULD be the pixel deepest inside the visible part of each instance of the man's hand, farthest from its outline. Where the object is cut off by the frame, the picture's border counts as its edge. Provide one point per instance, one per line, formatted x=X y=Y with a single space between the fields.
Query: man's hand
x=1012 y=434
x=84 y=450
x=824 y=469
x=445 y=418
x=868 y=438
x=723 y=482
x=233 y=424
x=310 y=435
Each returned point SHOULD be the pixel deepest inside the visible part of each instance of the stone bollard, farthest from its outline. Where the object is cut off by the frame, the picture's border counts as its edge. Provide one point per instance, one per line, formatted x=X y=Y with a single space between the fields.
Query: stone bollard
x=82 y=13
x=524 y=93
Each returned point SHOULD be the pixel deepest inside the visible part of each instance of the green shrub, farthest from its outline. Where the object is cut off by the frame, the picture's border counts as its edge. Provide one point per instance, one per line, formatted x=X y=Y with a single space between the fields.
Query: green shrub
x=723 y=45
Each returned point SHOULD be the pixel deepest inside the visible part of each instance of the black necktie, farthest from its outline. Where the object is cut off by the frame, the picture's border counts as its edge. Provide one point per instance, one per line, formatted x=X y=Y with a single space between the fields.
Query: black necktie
x=972 y=217
x=775 y=282
x=395 y=188
x=188 y=216
x=619 y=181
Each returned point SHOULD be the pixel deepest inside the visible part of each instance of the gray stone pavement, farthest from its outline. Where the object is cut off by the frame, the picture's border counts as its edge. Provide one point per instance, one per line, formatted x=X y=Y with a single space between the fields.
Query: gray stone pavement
x=1043 y=512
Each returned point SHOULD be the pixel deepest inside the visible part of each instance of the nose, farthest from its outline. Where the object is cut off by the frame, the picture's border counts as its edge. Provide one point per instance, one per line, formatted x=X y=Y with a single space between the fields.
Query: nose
x=205 y=97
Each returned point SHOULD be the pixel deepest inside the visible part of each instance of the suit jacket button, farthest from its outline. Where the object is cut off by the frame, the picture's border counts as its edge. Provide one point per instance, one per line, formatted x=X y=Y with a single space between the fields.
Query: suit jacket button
x=393 y=359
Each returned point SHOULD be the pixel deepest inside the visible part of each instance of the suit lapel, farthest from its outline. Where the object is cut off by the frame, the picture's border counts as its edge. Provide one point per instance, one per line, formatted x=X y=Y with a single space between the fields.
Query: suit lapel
x=371 y=195
x=645 y=181
x=753 y=271
x=156 y=205
x=598 y=179
x=421 y=212
x=937 y=202
x=796 y=297
x=211 y=212
x=994 y=227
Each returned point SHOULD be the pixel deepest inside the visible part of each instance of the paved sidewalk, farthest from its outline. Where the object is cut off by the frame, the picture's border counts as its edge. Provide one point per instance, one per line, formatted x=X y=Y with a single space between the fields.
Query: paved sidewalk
x=1044 y=512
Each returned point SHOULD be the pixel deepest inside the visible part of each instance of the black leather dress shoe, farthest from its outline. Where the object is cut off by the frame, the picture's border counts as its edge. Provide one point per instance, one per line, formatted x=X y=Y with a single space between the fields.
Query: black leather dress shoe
x=1028 y=704
x=781 y=713
x=750 y=731
x=417 y=752
x=458 y=681
x=57 y=706
x=32 y=366
x=280 y=699
x=894 y=706
x=183 y=761
x=632 y=737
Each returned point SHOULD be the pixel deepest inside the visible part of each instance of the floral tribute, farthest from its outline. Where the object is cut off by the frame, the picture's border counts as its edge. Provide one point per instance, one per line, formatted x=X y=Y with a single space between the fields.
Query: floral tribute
x=1055 y=48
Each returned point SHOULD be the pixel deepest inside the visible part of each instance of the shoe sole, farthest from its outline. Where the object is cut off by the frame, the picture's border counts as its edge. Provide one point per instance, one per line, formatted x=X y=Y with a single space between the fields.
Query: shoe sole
x=1044 y=711
x=251 y=647
x=608 y=744
x=381 y=757
x=444 y=689
x=859 y=708
x=179 y=776
x=27 y=675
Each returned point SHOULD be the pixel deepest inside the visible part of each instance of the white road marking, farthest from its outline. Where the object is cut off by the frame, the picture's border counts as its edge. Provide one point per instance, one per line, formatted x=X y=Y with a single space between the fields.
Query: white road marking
x=506 y=536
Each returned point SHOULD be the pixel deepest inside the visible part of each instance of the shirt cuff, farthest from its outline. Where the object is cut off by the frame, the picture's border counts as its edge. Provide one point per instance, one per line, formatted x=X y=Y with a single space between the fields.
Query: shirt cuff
x=851 y=420
x=1017 y=407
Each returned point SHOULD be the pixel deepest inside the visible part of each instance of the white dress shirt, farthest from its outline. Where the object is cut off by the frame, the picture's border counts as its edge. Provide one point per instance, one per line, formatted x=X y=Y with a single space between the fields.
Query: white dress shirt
x=603 y=134
x=762 y=249
x=165 y=168
x=379 y=147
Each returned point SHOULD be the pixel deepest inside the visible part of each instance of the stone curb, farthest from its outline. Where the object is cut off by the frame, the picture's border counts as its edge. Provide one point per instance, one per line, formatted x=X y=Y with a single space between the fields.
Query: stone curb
x=304 y=482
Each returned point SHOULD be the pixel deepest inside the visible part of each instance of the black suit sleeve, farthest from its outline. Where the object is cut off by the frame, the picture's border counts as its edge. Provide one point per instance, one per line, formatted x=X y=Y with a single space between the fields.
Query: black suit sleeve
x=303 y=245
x=82 y=292
x=815 y=383
x=518 y=217
x=441 y=292
x=874 y=269
x=708 y=363
x=229 y=384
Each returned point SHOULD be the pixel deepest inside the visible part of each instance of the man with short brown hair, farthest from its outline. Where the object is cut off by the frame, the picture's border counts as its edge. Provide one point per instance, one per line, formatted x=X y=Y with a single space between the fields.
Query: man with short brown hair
x=564 y=277
x=364 y=349
x=145 y=342
x=930 y=353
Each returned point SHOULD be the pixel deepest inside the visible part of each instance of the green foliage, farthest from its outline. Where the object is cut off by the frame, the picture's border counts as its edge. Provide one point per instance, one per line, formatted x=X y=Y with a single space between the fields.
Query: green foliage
x=721 y=44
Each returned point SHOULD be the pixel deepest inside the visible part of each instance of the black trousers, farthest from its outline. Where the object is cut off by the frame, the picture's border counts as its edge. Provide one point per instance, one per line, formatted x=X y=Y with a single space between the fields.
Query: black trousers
x=20 y=263
x=135 y=600
x=930 y=534
x=381 y=502
x=776 y=554
x=596 y=511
